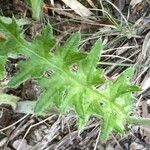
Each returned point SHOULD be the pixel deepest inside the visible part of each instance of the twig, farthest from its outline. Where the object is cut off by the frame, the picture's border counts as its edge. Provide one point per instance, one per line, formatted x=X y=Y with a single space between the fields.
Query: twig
x=97 y=140
x=14 y=123
x=32 y=127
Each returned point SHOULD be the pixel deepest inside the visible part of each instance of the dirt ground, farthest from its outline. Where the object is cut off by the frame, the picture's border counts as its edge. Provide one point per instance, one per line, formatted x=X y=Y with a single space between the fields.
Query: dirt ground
x=126 y=46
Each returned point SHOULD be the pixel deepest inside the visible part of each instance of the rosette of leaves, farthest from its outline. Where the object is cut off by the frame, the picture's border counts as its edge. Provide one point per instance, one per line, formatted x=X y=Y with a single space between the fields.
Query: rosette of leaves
x=74 y=81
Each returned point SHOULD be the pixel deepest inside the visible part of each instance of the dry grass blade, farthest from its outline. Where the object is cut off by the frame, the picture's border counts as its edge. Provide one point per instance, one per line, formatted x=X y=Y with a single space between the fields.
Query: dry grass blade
x=78 y=8
x=36 y=124
x=145 y=83
x=117 y=9
x=52 y=2
x=133 y=3
x=97 y=140
x=3 y=129
x=146 y=46
x=91 y=3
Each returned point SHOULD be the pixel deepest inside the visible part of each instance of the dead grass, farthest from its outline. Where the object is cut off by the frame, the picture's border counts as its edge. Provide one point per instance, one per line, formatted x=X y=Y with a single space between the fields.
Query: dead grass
x=127 y=35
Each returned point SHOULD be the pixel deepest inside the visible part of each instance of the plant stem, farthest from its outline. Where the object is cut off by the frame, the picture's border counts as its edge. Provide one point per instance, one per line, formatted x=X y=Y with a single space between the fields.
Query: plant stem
x=138 y=121
x=36 y=9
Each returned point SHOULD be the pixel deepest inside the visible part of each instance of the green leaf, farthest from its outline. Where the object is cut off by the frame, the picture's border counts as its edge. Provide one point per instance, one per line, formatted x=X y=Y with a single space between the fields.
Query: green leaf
x=69 y=51
x=13 y=35
x=43 y=43
x=112 y=122
x=81 y=106
x=93 y=57
x=88 y=65
x=121 y=103
x=96 y=77
x=37 y=52
x=2 y=67
x=9 y=100
x=29 y=69
x=106 y=127
x=70 y=45
x=122 y=84
x=47 y=98
x=69 y=78
x=20 y=22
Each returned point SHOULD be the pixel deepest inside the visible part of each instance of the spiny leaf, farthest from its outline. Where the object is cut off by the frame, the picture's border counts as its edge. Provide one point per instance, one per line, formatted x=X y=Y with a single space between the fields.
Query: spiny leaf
x=13 y=35
x=88 y=65
x=106 y=127
x=44 y=42
x=29 y=69
x=81 y=105
x=122 y=84
x=111 y=122
x=51 y=96
x=73 y=78
x=37 y=52
x=70 y=45
x=121 y=103
x=69 y=51
x=93 y=57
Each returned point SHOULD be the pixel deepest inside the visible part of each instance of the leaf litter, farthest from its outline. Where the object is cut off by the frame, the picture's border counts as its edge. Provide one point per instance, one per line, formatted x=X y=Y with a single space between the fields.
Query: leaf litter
x=113 y=72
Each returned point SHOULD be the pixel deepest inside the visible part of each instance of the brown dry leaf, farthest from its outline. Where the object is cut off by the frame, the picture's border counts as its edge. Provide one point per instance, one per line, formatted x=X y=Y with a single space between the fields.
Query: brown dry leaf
x=78 y=8
x=146 y=46
x=133 y=3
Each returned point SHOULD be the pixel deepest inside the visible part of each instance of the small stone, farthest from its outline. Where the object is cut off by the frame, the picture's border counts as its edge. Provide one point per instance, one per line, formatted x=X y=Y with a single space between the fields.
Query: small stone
x=136 y=146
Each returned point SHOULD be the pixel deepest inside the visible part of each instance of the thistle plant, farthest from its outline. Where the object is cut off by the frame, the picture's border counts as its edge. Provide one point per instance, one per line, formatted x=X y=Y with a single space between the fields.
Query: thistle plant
x=70 y=79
